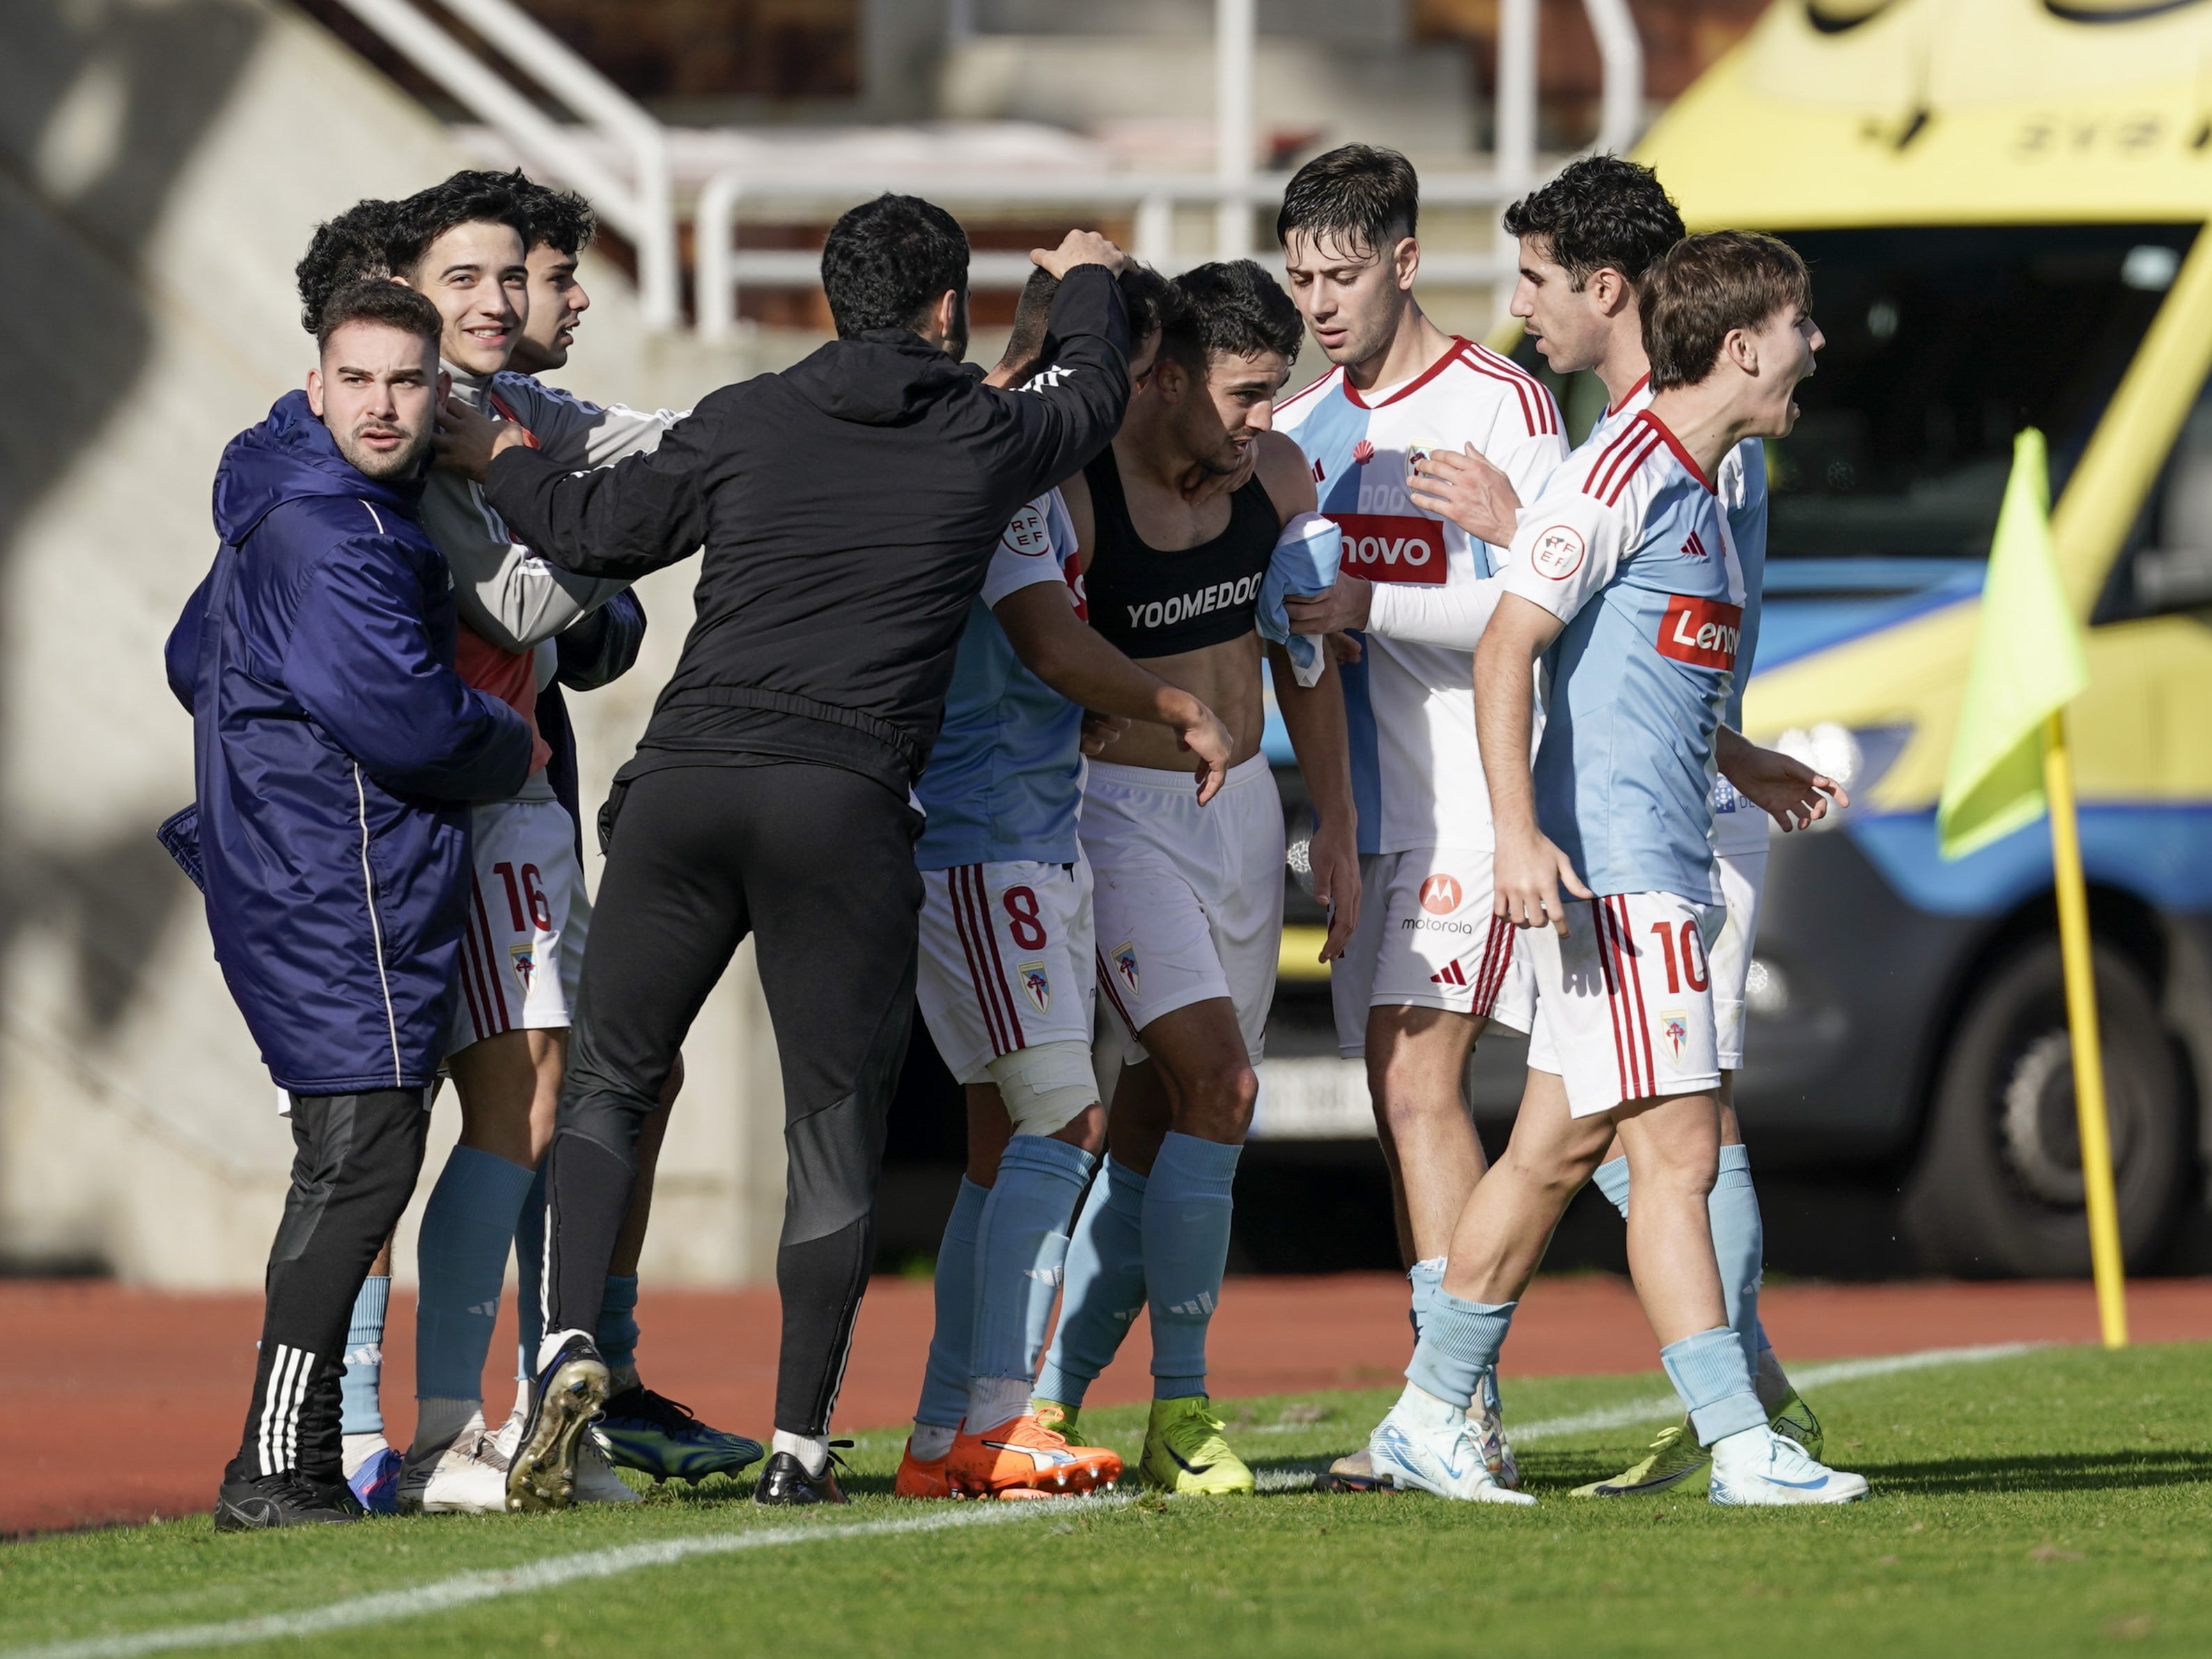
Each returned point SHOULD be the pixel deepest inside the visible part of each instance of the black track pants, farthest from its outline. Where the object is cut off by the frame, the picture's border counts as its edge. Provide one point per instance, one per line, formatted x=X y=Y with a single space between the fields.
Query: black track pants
x=353 y=1171
x=818 y=864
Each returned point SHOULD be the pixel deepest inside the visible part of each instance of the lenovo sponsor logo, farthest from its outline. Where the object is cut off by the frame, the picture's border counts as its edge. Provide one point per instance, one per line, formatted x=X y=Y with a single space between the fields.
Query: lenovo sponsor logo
x=1390 y=548
x=1702 y=632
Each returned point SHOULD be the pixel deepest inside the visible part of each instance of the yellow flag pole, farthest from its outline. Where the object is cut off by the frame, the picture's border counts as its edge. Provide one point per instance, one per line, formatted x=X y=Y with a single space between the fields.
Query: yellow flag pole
x=2088 y=1053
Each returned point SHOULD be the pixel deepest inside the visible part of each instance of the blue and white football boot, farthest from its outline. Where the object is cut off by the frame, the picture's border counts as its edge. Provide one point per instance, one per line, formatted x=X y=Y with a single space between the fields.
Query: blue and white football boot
x=376 y=1482
x=1760 y=1466
x=1426 y=1445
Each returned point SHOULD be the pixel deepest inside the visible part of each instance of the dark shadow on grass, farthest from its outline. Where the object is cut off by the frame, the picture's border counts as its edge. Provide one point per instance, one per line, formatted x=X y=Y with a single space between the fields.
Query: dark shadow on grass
x=2044 y=1472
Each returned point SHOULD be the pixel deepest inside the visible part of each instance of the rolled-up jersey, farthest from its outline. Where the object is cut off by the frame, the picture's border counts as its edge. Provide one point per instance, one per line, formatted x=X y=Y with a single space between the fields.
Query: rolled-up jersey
x=1006 y=775
x=1416 y=771
x=1629 y=548
x=1738 y=826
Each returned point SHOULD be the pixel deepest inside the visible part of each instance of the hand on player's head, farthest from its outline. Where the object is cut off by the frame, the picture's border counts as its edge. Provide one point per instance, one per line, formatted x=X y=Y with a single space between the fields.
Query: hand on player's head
x=1078 y=247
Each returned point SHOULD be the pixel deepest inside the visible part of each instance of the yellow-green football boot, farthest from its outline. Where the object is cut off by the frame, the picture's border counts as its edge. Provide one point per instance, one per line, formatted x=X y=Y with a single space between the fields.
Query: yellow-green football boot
x=1184 y=1452
x=1793 y=1420
x=1676 y=1463
x=1058 y=1416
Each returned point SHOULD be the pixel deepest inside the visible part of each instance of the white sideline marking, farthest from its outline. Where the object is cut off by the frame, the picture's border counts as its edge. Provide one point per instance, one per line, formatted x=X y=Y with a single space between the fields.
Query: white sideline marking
x=465 y=1588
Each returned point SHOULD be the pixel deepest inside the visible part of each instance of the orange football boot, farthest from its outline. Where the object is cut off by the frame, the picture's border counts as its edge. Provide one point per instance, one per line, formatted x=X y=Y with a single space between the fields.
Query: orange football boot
x=1022 y=1458
x=918 y=1478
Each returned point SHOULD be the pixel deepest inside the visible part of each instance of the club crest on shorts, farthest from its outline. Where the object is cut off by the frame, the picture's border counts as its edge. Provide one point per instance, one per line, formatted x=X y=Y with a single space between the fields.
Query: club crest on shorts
x=1035 y=984
x=1125 y=963
x=523 y=958
x=1674 y=1032
x=1441 y=895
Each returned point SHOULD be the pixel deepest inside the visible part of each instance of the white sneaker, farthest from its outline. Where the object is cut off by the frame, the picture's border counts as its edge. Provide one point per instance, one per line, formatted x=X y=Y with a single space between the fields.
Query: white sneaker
x=1426 y=1445
x=1760 y=1466
x=510 y=1433
x=468 y=1476
x=596 y=1479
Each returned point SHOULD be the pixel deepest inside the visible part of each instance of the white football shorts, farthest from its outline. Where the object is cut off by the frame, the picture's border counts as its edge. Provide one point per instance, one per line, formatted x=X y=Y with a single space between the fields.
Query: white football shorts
x=1426 y=940
x=522 y=950
x=1008 y=960
x=1189 y=900
x=1625 y=1002
x=1743 y=883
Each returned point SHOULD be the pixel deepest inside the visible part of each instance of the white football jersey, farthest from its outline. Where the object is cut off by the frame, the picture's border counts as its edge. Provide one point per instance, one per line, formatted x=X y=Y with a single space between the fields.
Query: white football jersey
x=1416 y=772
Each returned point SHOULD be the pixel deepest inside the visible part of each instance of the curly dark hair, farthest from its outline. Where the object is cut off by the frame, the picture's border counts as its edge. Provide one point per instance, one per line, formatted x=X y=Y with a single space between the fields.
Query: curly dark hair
x=1231 y=308
x=1704 y=288
x=377 y=299
x=1143 y=290
x=467 y=198
x=559 y=219
x=346 y=249
x=1365 y=197
x=886 y=261
x=1599 y=213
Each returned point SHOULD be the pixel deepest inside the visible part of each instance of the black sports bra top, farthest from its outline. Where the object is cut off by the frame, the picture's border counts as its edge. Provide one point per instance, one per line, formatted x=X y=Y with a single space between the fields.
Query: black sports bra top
x=1151 y=604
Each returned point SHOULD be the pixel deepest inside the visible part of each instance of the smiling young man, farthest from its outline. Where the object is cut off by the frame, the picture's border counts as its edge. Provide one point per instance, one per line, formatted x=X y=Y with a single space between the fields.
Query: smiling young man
x=335 y=750
x=1624 y=588
x=1393 y=431
x=1189 y=895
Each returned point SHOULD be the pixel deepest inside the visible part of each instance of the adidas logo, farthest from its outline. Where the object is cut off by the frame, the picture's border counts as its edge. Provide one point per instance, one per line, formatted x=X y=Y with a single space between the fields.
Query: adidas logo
x=1198 y=1307
x=484 y=1309
x=367 y=1354
x=1450 y=975
x=1042 y=1275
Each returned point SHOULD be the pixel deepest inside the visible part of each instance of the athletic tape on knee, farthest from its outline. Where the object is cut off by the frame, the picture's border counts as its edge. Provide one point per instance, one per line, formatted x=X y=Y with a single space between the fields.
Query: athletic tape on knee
x=1045 y=1087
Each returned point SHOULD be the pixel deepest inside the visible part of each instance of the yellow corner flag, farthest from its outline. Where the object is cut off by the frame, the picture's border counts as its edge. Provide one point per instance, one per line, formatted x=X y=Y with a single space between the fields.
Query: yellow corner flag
x=2027 y=666
x=2009 y=762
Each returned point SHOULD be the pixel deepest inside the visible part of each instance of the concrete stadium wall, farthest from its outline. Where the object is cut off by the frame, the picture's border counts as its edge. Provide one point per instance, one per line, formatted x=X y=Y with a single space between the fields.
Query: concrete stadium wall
x=162 y=163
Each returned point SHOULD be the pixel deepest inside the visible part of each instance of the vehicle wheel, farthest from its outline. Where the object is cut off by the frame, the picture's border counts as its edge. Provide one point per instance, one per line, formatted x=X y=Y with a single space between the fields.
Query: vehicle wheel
x=1998 y=1191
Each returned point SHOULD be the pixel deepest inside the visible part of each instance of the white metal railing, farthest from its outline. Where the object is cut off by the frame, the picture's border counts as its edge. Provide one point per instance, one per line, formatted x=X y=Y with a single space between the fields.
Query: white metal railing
x=641 y=207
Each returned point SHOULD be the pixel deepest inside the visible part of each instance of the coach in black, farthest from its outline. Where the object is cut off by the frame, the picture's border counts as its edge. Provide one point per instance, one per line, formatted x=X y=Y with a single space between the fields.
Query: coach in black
x=848 y=507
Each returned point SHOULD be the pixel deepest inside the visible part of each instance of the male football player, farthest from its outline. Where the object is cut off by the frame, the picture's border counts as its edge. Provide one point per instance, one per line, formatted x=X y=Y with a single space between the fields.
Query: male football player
x=1430 y=966
x=1624 y=586
x=1188 y=900
x=1007 y=967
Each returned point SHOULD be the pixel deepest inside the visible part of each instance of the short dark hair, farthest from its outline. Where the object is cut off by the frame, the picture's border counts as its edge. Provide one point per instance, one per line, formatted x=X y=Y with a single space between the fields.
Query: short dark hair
x=1599 y=213
x=1230 y=307
x=346 y=249
x=468 y=198
x=886 y=261
x=1144 y=291
x=1705 y=287
x=382 y=300
x=559 y=219
x=1365 y=197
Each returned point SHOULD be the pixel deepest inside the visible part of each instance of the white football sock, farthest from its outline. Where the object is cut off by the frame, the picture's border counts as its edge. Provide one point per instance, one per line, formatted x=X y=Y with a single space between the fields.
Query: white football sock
x=813 y=1455
x=356 y=1450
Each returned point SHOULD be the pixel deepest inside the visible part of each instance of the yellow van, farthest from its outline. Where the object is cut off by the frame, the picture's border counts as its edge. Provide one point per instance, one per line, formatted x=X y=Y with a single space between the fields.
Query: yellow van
x=2002 y=202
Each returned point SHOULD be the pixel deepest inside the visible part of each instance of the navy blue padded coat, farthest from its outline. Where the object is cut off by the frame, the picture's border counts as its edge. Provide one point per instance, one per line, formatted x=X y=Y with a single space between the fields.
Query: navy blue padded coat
x=335 y=750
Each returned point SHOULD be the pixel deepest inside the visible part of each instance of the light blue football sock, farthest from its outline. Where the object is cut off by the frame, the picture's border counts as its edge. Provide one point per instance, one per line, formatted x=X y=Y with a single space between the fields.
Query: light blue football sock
x=1612 y=1178
x=1739 y=1246
x=1187 y=1204
x=1739 y=1237
x=1102 y=1290
x=618 y=1331
x=358 y=1407
x=1427 y=1278
x=1021 y=1247
x=468 y=1227
x=529 y=1278
x=945 y=1378
x=1708 y=1372
x=1459 y=1345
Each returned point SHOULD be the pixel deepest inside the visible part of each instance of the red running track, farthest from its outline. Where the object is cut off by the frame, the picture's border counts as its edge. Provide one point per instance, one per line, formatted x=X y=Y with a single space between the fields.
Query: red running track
x=126 y=1403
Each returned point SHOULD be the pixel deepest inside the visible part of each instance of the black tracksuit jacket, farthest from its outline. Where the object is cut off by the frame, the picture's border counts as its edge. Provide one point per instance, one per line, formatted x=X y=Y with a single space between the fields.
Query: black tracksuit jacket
x=848 y=507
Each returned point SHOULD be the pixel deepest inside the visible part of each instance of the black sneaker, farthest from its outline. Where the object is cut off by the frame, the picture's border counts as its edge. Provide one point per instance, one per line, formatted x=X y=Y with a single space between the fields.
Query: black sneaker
x=571 y=1388
x=292 y=1499
x=785 y=1481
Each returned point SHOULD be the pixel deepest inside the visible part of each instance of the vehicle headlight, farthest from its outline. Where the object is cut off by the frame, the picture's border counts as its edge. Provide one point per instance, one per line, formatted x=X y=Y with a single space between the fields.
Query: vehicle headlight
x=1856 y=756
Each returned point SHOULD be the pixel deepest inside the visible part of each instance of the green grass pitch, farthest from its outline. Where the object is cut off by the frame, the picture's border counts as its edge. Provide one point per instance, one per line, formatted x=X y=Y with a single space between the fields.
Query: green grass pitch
x=2055 y=1503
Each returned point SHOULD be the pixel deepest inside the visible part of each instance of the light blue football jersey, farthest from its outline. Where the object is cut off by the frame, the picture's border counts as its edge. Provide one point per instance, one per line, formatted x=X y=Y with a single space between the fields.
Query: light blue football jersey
x=1628 y=546
x=1738 y=826
x=1006 y=775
